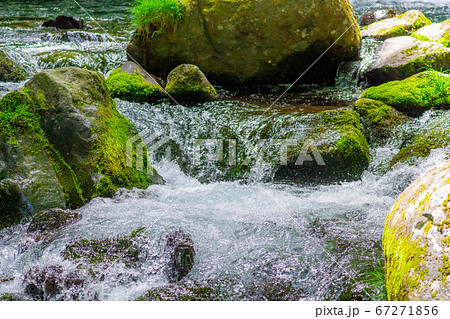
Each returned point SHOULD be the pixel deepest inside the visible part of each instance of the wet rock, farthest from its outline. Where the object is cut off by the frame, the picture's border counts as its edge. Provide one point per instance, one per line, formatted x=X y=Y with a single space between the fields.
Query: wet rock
x=228 y=40
x=186 y=291
x=414 y=95
x=50 y=221
x=180 y=248
x=434 y=135
x=379 y=119
x=131 y=82
x=64 y=22
x=436 y=32
x=402 y=57
x=29 y=160
x=187 y=84
x=53 y=283
x=13 y=204
x=377 y=15
x=10 y=297
x=76 y=106
x=416 y=239
x=125 y=249
x=10 y=71
x=401 y=25
x=333 y=148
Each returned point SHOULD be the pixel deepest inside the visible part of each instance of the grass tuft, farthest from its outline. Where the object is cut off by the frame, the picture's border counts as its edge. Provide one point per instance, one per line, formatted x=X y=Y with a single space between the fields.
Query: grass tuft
x=158 y=14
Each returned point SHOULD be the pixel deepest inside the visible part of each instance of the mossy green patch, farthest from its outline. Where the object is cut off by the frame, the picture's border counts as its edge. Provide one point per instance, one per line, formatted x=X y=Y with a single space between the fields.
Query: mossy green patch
x=414 y=95
x=132 y=87
x=9 y=70
x=157 y=14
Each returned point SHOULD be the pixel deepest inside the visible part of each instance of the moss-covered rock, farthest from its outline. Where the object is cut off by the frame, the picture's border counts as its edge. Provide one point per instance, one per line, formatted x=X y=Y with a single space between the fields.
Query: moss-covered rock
x=404 y=24
x=435 y=135
x=379 y=119
x=377 y=15
x=415 y=239
x=414 y=95
x=81 y=121
x=180 y=248
x=131 y=83
x=187 y=84
x=436 y=32
x=188 y=291
x=337 y=136
x=402 y=57
x=244 y=41
x=47 y=222
x=13 y=204
x=9 y=70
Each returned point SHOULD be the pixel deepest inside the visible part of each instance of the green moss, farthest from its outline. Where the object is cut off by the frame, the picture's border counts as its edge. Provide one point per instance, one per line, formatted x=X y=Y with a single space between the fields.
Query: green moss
x=10 y=71
x=445 y=269
x=106 y=188
x=420 y=37
x=9 y=297
x=109 y=250
x=403 y=263
x=132 y=87
x=184 y=292
x=414 y=95
x=378 y=117
x=445 y=40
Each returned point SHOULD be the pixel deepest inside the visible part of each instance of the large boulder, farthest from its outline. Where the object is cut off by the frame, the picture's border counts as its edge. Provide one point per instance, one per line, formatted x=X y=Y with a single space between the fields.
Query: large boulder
x=63 y=142
x=187 y=84
x=404 y=24
x=437 y=32
x=434 y=135
x=64 y=23
x=414 y=95
x=10 y=71
x=243 y=41
x=131 y=82
x=416 y=239
x=399 y=58
x=82 y=122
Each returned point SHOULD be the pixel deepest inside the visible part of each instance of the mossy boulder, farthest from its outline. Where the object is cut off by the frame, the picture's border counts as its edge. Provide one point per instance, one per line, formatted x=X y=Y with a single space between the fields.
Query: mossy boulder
x=436 y=32
x=414 y=95
x=10 y=71
x=416 y=239
x=242 y=41
x=402 y=57
x=435 y=135
x=378 y=118
x=337 y=136
x=181 y=252
x=82 y=123
x=187 y=84
x=132 y=83
x=377 y=15
x=401 y=25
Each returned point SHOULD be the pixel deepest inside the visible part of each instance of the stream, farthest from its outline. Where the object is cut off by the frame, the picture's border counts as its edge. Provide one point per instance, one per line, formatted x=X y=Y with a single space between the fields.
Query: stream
x=256 y=237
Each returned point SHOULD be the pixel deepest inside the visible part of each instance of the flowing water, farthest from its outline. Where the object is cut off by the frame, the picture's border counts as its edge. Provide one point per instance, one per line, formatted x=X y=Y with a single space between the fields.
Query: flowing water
x=255 y=237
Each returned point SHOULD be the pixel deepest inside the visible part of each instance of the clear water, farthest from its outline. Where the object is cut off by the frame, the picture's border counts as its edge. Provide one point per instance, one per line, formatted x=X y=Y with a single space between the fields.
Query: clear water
x=251 y=234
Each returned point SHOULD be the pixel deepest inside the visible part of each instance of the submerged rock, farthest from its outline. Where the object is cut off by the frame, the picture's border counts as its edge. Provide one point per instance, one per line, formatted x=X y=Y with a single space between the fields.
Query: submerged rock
x=414 y=95
x=64 y=23
x=50 y=221
x=416 y=239
x=436 y=32
x=434 y=135
x=401 y=25
x=188 y=291
x=180 y=248
x=378 y=118
x=187 y=84
x=377 y=15
x=132 y=83
x=9 y=70
x=251 y=42
x=401 y=57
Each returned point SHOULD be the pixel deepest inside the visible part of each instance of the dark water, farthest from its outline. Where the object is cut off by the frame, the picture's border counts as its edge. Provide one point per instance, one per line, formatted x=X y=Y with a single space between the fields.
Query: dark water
x=311 y=243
